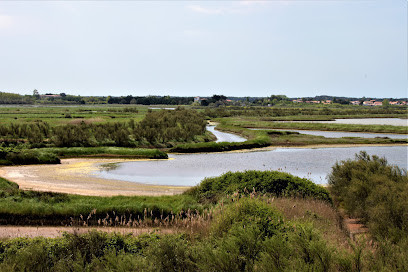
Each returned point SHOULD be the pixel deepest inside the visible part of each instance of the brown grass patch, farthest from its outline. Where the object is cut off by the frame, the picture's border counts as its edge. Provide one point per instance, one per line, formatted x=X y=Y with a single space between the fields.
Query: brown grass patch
x=320 y=214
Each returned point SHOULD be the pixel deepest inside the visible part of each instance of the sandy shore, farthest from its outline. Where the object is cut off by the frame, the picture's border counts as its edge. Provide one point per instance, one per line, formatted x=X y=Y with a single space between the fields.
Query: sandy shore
x=75 y=176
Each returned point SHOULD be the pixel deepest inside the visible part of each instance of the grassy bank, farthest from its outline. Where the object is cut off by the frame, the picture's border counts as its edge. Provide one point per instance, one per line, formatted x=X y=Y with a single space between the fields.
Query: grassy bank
x=290 y=138
x=256 y=139
x=73 y=152
x=27 y=156
x=257 y=123
x=219 y=147
x=20 y=207
x=264 y=138
x=30 y=207
x=325 y=117
x=21 y=156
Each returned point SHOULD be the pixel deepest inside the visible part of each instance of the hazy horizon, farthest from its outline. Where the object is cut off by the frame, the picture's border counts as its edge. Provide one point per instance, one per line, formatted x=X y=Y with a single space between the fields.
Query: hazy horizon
x=193 y=48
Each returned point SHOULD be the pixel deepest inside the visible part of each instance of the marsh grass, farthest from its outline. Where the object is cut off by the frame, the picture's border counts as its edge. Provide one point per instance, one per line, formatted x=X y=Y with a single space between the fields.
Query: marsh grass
x=257 y=123
x=72 y=152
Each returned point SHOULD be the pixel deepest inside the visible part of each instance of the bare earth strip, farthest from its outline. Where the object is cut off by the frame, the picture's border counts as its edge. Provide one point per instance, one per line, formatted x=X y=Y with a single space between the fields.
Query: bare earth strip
x=8 y=232
x=75 y=176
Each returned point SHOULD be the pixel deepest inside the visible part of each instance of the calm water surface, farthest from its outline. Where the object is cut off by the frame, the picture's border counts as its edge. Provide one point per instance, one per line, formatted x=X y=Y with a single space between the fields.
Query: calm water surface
x=190 y=169
x=340 y=134
x=364 y=121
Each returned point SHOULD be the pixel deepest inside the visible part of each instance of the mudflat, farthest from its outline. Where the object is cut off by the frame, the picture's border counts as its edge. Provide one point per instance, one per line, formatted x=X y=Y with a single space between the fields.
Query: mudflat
x=76 y=176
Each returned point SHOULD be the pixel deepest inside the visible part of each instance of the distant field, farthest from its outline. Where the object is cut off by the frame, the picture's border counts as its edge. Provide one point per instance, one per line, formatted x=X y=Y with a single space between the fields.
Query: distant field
x=71 y=114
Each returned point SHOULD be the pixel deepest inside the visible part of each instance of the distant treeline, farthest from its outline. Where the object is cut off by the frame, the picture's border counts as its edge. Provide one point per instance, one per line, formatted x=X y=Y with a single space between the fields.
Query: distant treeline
x=158 y=128
x=62 y=98
x=291 y=111
x=11 y=98
x=150 y=100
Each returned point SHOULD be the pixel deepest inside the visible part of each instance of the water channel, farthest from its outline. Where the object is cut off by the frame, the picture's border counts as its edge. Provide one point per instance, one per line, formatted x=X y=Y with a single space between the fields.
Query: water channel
x=225 y=137
x=362 y=121
x=340 y=134
x=189 y=169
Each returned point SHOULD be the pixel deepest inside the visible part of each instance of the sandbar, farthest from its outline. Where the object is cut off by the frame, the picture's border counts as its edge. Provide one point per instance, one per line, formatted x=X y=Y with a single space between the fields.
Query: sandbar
x=76 y=176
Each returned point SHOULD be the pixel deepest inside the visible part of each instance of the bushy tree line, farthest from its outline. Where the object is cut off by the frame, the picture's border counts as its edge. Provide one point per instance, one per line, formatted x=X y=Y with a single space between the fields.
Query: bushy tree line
x=11 y=98
x=150 y=100
x=291 y=111
x=157 y=128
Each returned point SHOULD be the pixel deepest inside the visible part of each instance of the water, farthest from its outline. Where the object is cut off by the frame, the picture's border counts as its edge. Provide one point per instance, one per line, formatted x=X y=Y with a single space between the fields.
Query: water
x=158 y=108
x=363 y=121
x=340 y=134
x=225 y=137
x=190 y=169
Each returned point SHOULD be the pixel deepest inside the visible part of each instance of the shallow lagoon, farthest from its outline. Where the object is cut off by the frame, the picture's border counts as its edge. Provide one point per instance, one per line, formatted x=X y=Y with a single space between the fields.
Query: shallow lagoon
x=340 y=134
x=190 y=169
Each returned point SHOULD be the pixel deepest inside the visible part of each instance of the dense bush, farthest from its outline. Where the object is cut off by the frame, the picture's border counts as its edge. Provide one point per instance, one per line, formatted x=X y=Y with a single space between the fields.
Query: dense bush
x=247 y=235
x=371 y=189
x=273 y=182
x=104 y=151
x=158 y=128
x=25 y=156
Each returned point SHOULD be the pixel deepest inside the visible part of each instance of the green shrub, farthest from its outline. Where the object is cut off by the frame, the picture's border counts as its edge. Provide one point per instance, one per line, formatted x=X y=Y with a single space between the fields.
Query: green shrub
x=7 y=186
x=248 y=211
x=104 y=151
x=32 y=157
x=273 y=182
x=222 y=146
x=371 y=189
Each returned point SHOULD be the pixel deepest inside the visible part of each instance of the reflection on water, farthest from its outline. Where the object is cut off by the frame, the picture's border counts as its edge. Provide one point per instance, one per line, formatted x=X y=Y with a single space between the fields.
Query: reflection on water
x=340 y=134
x=190 y=169
x=109 y=166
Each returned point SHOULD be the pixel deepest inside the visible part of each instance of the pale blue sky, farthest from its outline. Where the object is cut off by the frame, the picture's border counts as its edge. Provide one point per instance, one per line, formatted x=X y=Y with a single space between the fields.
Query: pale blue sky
x=189 y=48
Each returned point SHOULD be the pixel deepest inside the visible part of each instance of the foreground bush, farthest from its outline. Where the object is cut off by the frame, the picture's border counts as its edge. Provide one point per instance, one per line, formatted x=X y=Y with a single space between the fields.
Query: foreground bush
x=246 y=235
x=371 y=189
x=272 y=182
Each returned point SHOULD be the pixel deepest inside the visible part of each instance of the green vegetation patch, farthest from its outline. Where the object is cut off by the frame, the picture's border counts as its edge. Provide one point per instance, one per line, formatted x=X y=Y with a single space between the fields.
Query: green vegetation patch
x=272 y=182
x=107 y=152
x=20 y=207
x=371 y=189
x=219 y=147
x=10 y=156
x=245 y=235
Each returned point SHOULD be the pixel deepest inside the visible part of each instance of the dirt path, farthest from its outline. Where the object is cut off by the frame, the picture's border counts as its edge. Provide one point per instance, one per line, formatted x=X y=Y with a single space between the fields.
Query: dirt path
x=76 y=176
x=7 y=232
x=354 y=227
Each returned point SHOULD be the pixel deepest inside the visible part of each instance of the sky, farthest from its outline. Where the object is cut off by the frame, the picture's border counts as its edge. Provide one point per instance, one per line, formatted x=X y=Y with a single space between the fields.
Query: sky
x=200 y=48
